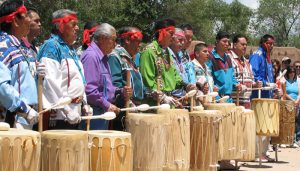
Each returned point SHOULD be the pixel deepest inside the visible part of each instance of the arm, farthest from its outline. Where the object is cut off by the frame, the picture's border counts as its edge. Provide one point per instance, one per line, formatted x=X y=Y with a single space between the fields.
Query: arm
x=116 y=71
x=258 y=68
x=148 y=69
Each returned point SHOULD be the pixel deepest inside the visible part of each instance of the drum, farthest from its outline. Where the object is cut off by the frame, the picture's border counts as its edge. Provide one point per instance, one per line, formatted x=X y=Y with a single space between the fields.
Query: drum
x=204 y=140
x=110 y=150
x=20 y=150
x=267 y=116
x=177 y=143
x=65 y=150
x=148 y=137
x=246 y=141
x=286 y=123
x=229 y=128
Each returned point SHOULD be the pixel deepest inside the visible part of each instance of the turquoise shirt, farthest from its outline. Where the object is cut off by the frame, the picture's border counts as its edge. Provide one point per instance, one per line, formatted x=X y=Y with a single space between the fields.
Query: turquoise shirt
x=292 y=88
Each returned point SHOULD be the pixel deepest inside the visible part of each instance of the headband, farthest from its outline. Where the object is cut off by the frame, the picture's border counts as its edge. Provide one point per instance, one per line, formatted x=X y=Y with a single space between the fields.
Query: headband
x=132 y=35
x=10 y=17
x=179 y=34
x=64 y=20
x=86 y=35
x=163 y=32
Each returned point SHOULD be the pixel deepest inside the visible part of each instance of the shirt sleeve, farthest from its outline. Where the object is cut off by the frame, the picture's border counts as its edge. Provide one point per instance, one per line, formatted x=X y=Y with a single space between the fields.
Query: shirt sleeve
x=257 y=68
x=93 y=88
x=148 y=69
x=116 y=71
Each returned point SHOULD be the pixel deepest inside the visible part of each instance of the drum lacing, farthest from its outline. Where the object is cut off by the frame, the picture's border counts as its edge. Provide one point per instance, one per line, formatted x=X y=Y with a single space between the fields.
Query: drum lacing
x=10 y=153
x=24 y=145
x=124 y=152
x=57 y=156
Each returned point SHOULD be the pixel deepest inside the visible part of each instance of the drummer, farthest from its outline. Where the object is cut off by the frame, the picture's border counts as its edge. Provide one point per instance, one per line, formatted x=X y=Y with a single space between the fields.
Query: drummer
x=121 y=61
x=243 y=71
x=18 y=90
x=157 y=68
x=65 y=77
x=262 y=70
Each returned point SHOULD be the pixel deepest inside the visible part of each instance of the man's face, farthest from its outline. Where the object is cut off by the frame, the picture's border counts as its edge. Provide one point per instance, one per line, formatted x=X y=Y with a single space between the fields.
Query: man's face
x=70 y=31
x=297 y=67
x=134 y=45
x=23 y=23
x=240 y=47
x=107 y=44
x=177 y=43
x=223 y=44
x=35 y=24
x=269 y=44
x=202 y=55
x=169 y=37
x=189 y=37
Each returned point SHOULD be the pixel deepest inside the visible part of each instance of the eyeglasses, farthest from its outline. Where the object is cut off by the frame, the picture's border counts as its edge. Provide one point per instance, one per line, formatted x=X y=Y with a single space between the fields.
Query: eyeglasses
x=297 y=66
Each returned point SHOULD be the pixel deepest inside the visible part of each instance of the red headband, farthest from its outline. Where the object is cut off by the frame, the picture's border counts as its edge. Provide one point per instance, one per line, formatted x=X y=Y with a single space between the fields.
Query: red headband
x=64 y=20
x=179 y=34
x=86 y=35
x=163 y=32
x=132 y=35
x=10 y=17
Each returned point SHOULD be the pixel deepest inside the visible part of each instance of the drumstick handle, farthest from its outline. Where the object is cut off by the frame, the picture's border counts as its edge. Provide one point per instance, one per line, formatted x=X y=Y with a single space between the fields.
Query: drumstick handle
x=128 y=84
x=237 y=97
x=40 y=102
x=158 y=90
x=192 y=104
x=259 y=93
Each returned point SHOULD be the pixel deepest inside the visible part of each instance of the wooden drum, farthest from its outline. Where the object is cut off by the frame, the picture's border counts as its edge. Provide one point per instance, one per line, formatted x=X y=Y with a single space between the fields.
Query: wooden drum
x=110 y=150
x=246 y=143
x=65 y=150
x=204 y=140
x=20 y=150
x=177 y=144
x=286 y=123
x=148 y=137
x=229 y=128
x=267 y=116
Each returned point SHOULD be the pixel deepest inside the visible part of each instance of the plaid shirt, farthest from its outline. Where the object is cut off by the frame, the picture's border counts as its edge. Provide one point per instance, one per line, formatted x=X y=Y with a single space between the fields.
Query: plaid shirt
x=243 y=73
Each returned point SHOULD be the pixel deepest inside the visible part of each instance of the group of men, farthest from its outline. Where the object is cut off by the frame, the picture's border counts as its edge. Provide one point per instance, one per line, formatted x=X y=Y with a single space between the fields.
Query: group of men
x=162 y=72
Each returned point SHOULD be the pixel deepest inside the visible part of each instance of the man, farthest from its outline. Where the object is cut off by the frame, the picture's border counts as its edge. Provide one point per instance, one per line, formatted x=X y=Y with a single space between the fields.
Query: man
x=243 y=71
x=188 y=32
x=18 y=91
x=64 y=73
x=156 y=65
x=262 y=70
x=123 y=60
x=297 y=67
x=101 y=93
x=221 y=66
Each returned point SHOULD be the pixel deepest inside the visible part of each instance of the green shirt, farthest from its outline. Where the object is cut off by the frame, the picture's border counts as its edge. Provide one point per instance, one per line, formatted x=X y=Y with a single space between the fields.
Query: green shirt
x=170 y=78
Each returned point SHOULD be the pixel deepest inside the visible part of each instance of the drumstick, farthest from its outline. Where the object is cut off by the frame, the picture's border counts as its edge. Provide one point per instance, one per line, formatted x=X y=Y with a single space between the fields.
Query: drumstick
x=128 y=84
x=237 y=97
x=189 y=94
x=106 y=116
x=223 y=99
x=261 y=88
x=145 y=107
x=212 y=94
x=61 y=103
x=40 y=102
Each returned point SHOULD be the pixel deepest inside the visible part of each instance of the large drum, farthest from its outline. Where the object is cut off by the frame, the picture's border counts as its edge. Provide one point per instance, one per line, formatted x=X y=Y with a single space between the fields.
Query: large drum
x=286 y=123
x=204 y=140
x=110 y=150
x=247 y=135
x=65 y=150
x=177 y=144
x=20 y=150
x=267 y=116
x=148 y=137
x=229 y=128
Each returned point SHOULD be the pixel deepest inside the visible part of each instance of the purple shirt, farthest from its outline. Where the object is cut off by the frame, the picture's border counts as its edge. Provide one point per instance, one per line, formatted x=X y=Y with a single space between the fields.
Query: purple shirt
x=99 y=89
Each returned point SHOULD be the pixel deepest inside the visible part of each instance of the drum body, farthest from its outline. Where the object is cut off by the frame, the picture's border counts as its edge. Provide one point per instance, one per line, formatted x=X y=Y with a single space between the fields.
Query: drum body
x=246 y=143
x=229 y=128
x=20 y=150
x=110 y=150
x=286 y=123
x=177 y=142
x=148 y=137
x=267 y=116
x=65 y=150
x=204 y=140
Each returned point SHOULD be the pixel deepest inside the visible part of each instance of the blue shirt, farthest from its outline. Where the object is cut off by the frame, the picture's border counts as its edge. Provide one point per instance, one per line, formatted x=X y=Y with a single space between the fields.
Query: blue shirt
x=262 y=71
x=17 y=82
x=292 y=88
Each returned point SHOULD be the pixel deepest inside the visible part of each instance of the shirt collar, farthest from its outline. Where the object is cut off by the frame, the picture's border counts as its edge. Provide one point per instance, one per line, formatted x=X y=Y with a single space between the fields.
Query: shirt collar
x=14 y=41
x=216 y=55
x=123 y=52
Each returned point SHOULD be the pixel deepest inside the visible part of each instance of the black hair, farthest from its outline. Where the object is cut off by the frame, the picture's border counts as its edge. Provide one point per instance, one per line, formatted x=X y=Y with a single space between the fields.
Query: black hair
x=125 y=30
x=265 y=38
x=89 y=25
x=186 y=26
x=163 y=24
x=221 y=35
x=289 y=70
x=6 y=8
x=236 y=38
x=199 y=47
x=30 y=10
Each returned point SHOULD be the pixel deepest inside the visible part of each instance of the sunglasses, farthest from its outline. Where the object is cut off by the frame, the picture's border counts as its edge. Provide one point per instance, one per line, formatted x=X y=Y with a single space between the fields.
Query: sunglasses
x=298 y=66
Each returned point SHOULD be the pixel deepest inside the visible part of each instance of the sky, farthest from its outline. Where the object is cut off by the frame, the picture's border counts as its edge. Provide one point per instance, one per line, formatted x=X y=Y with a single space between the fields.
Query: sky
x=250 y=3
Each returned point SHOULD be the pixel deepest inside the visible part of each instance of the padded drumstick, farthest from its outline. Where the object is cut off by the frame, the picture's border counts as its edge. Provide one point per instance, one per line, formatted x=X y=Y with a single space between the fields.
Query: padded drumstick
x=212 y=94
x=61 y=103
x=223 y=99
x=162 y=106
x=189 y=94
x=142 y=107
x=106 y=116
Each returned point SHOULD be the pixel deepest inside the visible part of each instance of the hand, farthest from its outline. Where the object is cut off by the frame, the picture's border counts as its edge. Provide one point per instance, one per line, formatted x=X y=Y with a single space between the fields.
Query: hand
x=127 y=92
x=170 y=100
x=41 y=69
x=32 y=116
x=259 y=84
x=157 y=95
x=72 y=117
x=113 y=108
x=216 y=89
x=239 y=87
x=190 y=87
x=205 y=88
x=87 y=110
